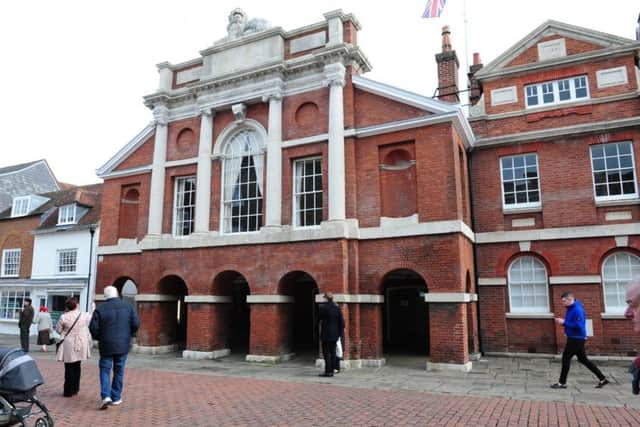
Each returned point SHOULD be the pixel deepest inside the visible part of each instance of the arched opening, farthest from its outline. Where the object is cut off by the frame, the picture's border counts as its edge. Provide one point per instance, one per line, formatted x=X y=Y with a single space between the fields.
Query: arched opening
x=129 y=292
x=304 y=311
x=128 y=225
x=177 y=330
x=234 y=285
x=405 y=314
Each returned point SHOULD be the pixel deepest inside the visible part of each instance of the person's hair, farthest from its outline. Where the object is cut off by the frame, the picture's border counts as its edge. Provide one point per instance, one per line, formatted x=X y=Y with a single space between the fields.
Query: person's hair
x=71 y=303
x=28 y=300
x=328 y=296
x=567 y=295
x=110 y=292
x=43 y=309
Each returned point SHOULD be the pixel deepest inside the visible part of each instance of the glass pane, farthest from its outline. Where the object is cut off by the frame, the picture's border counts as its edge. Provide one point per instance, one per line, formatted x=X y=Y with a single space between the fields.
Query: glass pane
x=518 y=161
x=597 y=151
x=624 y=148
x=534 y=196
x=600 y=177
x=625 y=161
x=533 y=184
x=601 y=190
x=506 y=162
x=612 y=163
x=581 y=93
x=613 y=176
x=521 y=197
x=611 y=150
x=508 y=187
x=509 y=199
x=518 y=173
x=507 y=174
x=615 y=189
x=627 y=174
x=598 y=164
x=628 y=188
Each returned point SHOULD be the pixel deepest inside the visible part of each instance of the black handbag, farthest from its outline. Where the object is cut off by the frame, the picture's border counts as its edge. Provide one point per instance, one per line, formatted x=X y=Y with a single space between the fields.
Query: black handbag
x=59 y=343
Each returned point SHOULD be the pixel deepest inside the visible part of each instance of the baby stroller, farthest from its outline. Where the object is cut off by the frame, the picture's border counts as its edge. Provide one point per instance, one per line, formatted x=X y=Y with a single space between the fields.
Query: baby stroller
x=19 y=378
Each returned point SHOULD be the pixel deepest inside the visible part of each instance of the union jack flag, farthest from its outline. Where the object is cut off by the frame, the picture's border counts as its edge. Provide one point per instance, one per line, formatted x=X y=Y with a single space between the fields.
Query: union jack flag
x=434 y=8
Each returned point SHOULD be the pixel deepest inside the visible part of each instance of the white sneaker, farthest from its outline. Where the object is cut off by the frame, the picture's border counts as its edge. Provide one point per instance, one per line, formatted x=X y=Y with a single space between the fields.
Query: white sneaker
x=116 y=402
x=104 y=403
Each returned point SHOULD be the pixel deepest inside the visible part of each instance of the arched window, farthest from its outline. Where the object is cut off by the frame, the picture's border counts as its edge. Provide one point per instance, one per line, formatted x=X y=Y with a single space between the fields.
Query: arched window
x=617 y=271
x=528 y=290
x=242 y=183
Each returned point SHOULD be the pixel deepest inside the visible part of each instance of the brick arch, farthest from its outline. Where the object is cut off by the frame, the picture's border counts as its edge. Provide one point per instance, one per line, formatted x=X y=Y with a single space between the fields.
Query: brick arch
x=120 y=281
x=11 y=241
x=402 y=266
x=533 y=254
x=222 y=282
x=284 y=284
x=601 y=258
x=172 y=284
x=185 y=140
x=507 y=257
x=234 y=128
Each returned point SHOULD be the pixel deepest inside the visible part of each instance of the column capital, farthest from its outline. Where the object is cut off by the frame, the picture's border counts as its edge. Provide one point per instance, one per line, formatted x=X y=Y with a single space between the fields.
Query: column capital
x=275 y=95
x=207 y=111
x=334 y=75
x=160 y=115
x=239 y=111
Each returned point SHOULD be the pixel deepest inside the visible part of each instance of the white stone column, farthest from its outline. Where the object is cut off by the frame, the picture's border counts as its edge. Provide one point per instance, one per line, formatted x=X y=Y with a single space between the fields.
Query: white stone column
x=336 y=32
x=203 y=177
x=156 y=197
x=335 y=80
x=274 y=161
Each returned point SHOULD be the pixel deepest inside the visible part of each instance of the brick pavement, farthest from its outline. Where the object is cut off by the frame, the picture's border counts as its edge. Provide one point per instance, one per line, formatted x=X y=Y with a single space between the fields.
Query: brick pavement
x=159 y=397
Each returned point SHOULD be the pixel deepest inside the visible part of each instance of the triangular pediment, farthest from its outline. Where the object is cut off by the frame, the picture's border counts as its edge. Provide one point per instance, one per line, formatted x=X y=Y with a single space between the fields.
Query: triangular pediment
x=555 y=43
x=140 y=147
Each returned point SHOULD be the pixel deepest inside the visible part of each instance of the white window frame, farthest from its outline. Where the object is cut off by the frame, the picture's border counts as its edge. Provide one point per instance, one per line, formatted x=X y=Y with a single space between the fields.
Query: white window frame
x=511 y=283
x=297 y=193
x=621 y=196
x=256 y=150
x=11 y=302
x=59 y=254
x=6 y=253
x=20 y=206
x=179 y=207
x=67 y=214
x=516 y=205
x=555 y=90
x=620 y=281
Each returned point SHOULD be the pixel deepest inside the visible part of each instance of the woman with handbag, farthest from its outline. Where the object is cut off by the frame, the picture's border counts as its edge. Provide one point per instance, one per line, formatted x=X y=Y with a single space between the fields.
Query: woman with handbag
x=43 y=320
x=73 y=346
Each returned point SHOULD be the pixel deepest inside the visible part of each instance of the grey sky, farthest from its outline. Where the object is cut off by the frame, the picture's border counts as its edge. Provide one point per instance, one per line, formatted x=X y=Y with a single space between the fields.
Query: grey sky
x=74 y=71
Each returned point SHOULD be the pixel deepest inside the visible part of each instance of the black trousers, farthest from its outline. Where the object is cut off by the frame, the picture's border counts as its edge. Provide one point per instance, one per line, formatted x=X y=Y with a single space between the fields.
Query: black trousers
x=71 y=378
x=575 y=347
x=329 y=353
x=24 y=339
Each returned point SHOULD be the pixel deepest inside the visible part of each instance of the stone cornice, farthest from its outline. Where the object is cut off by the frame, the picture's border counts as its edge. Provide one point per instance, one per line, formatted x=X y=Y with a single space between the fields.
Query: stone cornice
x=249 y=38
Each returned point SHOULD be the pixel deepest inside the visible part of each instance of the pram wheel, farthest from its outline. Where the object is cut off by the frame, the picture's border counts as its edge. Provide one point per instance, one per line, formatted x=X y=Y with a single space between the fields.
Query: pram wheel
x=44 y=422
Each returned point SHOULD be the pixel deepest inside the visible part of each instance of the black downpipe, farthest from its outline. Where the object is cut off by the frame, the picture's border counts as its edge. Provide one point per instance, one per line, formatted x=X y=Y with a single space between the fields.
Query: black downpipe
x=475 y=253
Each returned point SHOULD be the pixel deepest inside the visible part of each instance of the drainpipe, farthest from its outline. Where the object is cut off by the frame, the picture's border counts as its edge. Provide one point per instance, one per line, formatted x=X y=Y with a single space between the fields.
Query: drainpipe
x=92 y=230
x=475 y=251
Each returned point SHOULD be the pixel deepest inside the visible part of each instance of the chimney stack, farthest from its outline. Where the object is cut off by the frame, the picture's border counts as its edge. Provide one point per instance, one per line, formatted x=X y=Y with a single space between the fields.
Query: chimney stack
x=474 y=86
x=447 y=69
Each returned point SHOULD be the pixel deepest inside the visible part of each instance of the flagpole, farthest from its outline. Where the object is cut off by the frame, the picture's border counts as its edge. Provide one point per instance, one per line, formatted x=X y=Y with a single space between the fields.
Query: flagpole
x=466 y=50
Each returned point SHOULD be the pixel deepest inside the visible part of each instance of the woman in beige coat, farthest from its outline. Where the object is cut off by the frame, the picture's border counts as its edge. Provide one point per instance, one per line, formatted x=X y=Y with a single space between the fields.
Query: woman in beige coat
x=75 y=347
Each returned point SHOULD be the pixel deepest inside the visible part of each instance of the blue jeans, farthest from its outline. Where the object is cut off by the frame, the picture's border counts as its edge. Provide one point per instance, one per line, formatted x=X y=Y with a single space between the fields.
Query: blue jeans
x=107 y=387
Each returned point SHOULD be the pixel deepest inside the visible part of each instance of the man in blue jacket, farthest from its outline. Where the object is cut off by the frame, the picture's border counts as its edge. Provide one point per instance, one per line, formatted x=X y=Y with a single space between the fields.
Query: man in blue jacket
x=113 y=323
x=575 y=328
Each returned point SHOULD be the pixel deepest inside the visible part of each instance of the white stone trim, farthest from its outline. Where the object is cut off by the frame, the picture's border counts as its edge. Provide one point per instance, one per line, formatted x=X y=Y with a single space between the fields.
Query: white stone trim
x=525 y=246
x=306 y=140
x=463 y=367
x=99 y=297
x=567 y=280
x=617 y=202
x=127 y=172
x=125 y=151
x=205 y=355
x=203 y=173
x=617 y=216
x=613 y=316
x=353 y=298
x=273 y=193
x=552 y=49
x=272 y=360
x=269 y=299
x=523 y=222
x=308 y=42
x=447 y=297
x=181 y=162
x=156 y=298
x=403 y=229
x=529 y=315
x=492 y=281
x=609 y=230
x=207 y=299
x=156 y=192
x=158 y=349
x=622 y=241
x=505 y=95
x=608 y=77
x=124 y=246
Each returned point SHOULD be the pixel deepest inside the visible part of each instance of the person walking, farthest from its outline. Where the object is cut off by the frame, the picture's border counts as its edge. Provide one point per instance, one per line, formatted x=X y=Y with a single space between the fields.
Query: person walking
x=575 y=328
x=331 y=328
x=113 y=324
x=43 y=320
x=26 y=319
x=73 y=347
x=633 y=313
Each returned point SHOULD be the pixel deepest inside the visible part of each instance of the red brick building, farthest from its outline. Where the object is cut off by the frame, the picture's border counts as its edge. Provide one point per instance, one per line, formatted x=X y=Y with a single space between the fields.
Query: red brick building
x=274 y=172
x=555 y=188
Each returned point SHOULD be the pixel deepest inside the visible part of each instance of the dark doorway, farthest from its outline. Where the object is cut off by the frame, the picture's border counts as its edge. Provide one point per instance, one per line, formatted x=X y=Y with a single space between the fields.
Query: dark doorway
x=174 y=285
x=406 y=314
x=234 y=284
x=304 y=312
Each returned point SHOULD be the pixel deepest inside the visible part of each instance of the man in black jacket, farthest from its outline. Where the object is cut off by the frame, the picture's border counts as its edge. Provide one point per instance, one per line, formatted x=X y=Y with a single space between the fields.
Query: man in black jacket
x=331 y=328
x=113 y=323
x=26 y=317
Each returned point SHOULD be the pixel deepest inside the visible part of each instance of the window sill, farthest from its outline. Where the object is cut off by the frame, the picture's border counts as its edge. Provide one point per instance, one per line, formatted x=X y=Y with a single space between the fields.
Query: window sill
x=530 y=315
x=512 y=211
x=613 y=316
x=618 y=202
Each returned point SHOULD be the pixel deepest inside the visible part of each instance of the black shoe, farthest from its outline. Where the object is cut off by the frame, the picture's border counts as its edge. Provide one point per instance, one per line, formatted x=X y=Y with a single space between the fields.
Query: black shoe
x=602 y=383
x=325 y=375
x=558 y=385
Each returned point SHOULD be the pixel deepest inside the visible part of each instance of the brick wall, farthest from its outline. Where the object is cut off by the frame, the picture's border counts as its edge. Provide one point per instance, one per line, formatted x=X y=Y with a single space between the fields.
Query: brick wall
x=15 y=233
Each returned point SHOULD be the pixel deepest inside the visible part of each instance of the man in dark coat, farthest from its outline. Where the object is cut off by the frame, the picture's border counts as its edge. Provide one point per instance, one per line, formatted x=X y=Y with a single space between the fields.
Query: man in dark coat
x=26 y=318
x=331 y=328
x=113 y=323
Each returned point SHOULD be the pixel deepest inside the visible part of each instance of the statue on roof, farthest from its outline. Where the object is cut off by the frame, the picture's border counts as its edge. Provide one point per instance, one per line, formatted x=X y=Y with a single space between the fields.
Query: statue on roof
x=240 y=25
